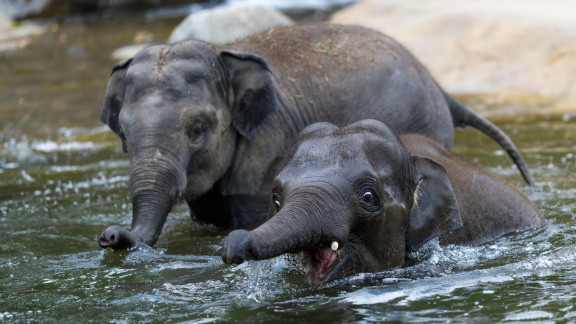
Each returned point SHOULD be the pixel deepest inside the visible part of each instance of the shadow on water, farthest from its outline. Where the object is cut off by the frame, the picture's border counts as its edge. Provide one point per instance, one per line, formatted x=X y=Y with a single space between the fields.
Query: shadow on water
x=64 y=178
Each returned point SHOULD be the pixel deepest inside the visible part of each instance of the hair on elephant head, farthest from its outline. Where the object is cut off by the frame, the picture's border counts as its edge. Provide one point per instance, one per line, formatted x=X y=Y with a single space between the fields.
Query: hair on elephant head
x=353 y=199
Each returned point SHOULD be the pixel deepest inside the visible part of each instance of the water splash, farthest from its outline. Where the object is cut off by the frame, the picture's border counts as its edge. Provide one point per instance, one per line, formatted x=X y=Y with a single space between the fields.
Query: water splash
x=529 y=316
x=255 y=270
x=52 y=146
x=444 y=285
x=26 y=176
x=15 y=151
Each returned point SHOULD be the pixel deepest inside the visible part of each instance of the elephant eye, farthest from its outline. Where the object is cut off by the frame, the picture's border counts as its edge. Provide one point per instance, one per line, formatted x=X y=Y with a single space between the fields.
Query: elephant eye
x=368 y=195
x=276 y=201
x=196 y=131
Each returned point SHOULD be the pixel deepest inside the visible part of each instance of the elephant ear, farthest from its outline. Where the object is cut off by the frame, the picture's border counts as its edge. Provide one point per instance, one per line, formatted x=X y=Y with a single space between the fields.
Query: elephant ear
x=254 y=91
x=114 y=98
x=435 y=210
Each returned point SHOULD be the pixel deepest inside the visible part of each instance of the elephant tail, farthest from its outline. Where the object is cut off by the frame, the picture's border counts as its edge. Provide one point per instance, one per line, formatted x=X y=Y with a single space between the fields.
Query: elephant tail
x=463 y=116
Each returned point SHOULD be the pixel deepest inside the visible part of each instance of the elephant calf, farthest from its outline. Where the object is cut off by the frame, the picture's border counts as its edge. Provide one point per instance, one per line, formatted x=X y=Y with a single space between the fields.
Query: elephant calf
x=355 y=198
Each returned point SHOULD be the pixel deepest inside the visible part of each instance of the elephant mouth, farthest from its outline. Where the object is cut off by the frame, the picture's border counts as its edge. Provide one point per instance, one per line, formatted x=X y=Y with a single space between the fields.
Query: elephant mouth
x=321 y=263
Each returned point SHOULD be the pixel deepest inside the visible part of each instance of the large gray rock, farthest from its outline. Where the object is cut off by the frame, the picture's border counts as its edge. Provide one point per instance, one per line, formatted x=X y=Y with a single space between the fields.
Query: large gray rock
x=225 y=24
x=515 y=49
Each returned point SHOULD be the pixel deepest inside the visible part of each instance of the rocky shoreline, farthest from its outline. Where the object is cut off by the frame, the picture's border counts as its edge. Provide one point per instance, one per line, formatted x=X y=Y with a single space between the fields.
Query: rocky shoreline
x=523 y=52
x=519 y=53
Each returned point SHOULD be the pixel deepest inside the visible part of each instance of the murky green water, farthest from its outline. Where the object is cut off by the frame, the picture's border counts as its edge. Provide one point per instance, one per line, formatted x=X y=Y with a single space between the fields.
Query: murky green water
x=64 y=178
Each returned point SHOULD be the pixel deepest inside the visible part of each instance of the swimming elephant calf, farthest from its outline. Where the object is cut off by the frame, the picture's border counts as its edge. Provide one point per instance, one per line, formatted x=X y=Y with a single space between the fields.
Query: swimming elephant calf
x=356 y=198
x=208 y=124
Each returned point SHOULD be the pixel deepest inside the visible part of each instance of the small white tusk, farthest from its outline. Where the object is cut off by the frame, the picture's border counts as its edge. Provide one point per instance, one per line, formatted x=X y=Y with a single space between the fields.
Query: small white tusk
x=334 y=245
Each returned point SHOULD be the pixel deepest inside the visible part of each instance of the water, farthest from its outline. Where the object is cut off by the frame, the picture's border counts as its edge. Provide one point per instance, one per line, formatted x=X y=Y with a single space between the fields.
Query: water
x=64 y=178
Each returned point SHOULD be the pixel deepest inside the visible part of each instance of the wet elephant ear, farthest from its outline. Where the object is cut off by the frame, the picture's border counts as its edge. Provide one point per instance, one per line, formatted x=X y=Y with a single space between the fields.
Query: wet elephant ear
x=114 y=99
x=254 y=91
x=435 y=210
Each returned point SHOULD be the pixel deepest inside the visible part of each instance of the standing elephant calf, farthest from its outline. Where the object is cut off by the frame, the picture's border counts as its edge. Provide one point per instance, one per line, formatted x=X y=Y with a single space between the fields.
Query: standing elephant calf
x=353 y=199
x=208 y=124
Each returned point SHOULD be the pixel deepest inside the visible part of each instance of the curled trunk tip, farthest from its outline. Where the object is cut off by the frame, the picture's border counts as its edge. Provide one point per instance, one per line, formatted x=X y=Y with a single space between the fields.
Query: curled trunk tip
x=235 y=248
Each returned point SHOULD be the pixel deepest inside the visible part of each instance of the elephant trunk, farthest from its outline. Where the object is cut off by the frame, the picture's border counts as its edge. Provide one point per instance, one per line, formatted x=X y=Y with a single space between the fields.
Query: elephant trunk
x=293 y=229
x=280 y=234
x=157 y=179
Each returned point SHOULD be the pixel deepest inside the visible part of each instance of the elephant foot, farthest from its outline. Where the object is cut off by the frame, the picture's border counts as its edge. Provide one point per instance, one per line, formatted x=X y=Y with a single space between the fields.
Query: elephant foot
x=117 y=238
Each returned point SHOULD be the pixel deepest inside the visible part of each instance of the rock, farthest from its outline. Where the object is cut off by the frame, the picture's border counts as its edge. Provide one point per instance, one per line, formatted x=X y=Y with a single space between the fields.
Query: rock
x=225 y=24
x=5 y=23
x=141 y=40
x=506 y=47
x=126 y=52
x=143 y=37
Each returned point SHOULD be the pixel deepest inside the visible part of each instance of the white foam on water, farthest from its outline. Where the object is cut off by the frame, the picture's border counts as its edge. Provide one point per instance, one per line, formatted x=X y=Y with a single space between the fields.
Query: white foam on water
x=102 y=165
x=69 y=132
x=529 y=315
x=427 y=287
x=18 y=150
x=26 y=176
x=52 y=146
x=177 y=265
x=423 y=288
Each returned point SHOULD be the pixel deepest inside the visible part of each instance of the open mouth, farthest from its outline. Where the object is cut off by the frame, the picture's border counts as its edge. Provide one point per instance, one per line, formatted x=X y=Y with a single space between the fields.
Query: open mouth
x=320 y=263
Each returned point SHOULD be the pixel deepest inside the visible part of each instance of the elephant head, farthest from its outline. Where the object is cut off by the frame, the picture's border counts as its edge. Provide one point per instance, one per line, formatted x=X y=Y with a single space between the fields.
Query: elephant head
x=351 y=199
x=179 y=111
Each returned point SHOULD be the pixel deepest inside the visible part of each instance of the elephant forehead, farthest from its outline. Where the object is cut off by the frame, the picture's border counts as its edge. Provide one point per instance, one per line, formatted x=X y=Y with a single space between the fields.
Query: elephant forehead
x=188 y=50
x=175 y=72
x=349 y=152
x=164 y=62
x=182 y=84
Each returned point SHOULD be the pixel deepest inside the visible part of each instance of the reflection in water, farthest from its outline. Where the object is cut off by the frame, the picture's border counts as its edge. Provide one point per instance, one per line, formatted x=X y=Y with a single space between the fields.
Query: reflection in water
x=64 y=178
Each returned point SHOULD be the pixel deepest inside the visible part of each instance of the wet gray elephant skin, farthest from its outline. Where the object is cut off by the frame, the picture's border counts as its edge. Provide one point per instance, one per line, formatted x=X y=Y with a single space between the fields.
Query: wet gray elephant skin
x=357 y=198
x=208 y=124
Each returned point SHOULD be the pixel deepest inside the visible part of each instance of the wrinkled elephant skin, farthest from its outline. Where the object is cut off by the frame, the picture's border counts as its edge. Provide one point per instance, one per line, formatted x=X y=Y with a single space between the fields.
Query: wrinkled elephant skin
x=357 y=198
